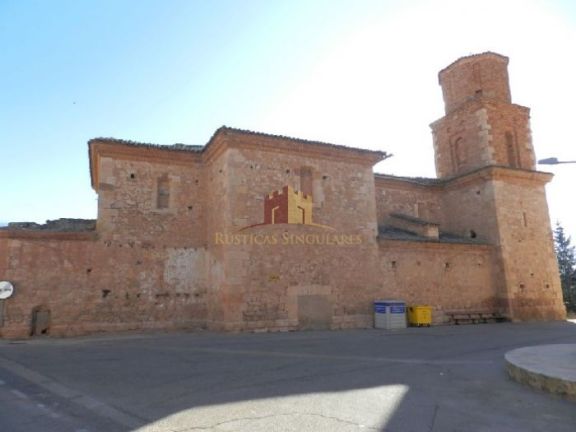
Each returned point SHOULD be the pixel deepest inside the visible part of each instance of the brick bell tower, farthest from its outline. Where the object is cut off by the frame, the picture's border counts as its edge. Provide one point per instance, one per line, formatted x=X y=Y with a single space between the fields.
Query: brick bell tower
x=483 y=148
x=481 y=126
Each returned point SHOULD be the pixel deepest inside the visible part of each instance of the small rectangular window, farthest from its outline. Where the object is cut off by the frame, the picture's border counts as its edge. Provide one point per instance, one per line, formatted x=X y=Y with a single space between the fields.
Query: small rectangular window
x=163 y=192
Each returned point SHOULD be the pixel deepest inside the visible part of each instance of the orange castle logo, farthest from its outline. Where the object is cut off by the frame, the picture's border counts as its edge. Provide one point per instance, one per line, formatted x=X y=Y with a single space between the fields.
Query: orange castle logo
x=288 y=206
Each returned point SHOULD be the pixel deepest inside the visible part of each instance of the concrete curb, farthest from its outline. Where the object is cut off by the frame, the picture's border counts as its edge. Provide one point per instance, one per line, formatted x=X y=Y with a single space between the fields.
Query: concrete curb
x=550 y=368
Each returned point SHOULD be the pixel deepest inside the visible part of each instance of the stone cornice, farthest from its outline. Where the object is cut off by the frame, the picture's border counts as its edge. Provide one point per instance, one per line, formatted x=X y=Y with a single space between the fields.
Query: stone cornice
x=401 y=244
x=494 y=172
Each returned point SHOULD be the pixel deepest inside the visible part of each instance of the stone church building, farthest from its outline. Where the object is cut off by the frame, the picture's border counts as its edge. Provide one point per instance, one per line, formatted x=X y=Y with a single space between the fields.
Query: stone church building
x=262 y=232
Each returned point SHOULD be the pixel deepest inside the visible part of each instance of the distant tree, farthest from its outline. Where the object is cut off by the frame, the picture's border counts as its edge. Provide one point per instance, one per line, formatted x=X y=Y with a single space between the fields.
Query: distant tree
x=567 y=265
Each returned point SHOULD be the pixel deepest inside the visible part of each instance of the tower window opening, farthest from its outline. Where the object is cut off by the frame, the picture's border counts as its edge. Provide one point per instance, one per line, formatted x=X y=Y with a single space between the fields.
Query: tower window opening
x=457 y=153
x=511 y=151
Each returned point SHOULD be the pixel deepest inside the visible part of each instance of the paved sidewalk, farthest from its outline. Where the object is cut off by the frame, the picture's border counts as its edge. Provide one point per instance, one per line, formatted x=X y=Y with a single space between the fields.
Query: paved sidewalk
x=419 y=379
x=551 y=368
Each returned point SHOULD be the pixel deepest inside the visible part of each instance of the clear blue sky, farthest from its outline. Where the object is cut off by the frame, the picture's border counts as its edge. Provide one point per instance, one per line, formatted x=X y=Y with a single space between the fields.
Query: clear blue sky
x=359 y=73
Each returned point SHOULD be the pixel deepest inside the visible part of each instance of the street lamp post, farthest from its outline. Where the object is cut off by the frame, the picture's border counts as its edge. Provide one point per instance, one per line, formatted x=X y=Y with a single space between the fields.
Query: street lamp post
x=553 y=161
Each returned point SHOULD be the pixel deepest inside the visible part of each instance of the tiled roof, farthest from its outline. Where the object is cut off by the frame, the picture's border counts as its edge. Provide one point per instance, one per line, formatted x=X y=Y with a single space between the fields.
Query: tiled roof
x=427 y=181
x=173 y=147
x=226 y=130
x=412 y=219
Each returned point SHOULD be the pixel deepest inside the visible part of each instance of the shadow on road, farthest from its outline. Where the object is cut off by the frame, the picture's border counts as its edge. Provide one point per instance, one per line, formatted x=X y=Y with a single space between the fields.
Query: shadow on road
x=428 y=379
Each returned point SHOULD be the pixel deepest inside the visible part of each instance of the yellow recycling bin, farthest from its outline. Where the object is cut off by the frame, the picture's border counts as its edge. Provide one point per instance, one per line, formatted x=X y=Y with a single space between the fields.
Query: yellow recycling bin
x=420 y=315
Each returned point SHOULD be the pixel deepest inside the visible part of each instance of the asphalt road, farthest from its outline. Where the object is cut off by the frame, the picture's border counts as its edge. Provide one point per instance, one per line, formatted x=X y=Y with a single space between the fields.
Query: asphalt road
x=437 y=379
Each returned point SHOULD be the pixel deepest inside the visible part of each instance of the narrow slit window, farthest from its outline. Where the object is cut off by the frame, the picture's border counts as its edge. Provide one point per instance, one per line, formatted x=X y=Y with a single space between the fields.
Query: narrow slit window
x=163 y=193
x=525 y=219
x=306 y=180
x=512 y=151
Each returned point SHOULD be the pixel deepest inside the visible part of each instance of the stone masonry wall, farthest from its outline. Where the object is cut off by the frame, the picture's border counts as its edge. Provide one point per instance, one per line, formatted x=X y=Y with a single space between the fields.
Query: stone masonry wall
x=448 y=277
x=468 y=209
x=526 y=250
x=406 y=198
x=128 y=207
x=92 y=286
x=268 y=285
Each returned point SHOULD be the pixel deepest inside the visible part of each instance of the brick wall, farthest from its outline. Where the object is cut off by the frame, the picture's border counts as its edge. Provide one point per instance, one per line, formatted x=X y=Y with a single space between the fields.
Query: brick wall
x=90 y=285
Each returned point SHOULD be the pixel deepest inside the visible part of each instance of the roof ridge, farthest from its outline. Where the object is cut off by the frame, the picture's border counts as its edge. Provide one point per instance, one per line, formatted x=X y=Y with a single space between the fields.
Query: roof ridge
x=418 y=180
x=225 y=129
x=170 y=147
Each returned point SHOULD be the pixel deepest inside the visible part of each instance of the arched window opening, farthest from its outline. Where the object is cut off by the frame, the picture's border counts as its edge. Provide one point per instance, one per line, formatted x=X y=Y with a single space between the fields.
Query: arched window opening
x=458 y=154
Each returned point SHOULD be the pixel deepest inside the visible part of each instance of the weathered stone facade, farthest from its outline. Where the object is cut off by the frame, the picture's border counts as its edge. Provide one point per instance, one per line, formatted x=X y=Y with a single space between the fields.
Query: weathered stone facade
x=196 y=237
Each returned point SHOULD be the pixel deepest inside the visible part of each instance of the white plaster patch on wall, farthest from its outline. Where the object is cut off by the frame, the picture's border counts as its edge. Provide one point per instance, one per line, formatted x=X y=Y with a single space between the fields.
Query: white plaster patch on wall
x=185 y=269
